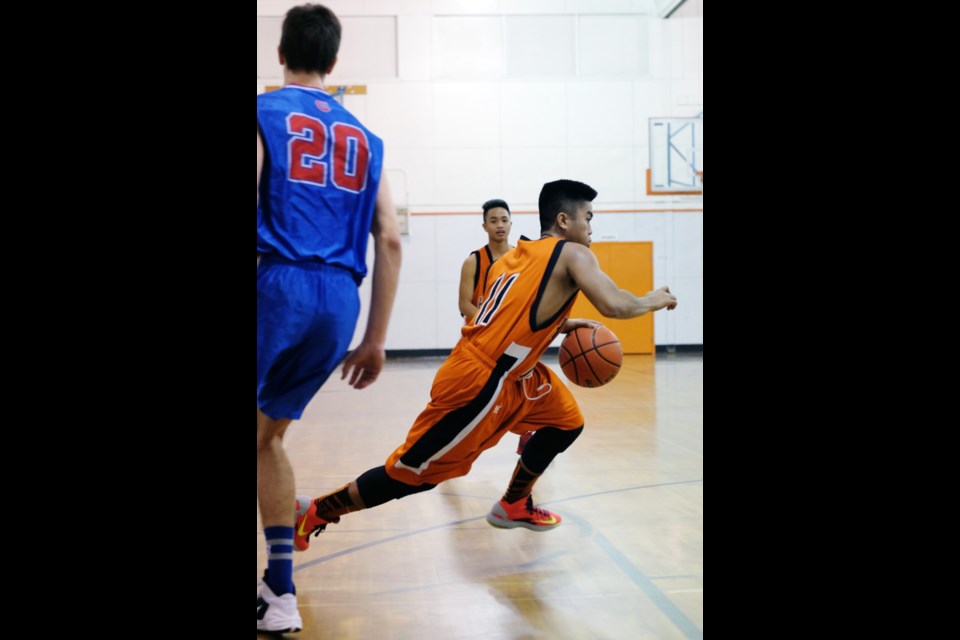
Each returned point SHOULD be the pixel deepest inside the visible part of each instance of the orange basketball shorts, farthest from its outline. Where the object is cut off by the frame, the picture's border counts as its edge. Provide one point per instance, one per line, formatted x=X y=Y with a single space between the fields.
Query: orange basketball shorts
x=474 y=401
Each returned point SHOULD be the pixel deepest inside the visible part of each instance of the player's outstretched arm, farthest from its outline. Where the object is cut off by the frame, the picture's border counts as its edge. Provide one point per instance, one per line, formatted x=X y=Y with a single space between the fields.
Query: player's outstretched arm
x=364 y=363
x=609 y=299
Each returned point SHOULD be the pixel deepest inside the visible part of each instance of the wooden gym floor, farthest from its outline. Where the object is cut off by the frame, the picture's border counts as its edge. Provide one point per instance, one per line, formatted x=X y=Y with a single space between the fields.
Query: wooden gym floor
x=627 y=562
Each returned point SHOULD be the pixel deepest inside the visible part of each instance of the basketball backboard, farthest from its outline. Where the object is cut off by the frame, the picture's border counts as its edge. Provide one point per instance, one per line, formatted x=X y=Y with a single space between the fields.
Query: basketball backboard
x=676 y=156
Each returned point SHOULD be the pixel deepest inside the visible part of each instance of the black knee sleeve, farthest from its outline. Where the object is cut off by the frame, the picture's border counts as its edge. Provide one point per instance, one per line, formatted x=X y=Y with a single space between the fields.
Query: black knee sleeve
x=544 y=446
x=376 y=487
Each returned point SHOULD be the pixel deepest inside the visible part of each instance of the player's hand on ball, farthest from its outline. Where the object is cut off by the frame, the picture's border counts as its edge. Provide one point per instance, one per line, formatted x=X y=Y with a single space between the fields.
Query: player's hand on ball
x=576 y=323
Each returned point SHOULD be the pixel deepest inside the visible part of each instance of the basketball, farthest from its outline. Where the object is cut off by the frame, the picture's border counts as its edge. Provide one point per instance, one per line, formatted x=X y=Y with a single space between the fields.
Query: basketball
x=591 y=356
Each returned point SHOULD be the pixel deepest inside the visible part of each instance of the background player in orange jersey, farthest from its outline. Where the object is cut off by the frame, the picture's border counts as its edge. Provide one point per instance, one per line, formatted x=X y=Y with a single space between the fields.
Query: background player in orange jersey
x=473 y=273
x=493 y=381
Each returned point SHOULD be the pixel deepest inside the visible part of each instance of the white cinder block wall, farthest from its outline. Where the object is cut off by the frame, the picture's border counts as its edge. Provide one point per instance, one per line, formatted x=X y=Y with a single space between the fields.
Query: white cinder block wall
x=480 y=99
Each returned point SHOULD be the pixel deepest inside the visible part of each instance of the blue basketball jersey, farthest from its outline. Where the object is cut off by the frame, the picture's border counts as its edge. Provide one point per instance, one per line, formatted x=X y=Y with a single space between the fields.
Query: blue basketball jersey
x=320 y=178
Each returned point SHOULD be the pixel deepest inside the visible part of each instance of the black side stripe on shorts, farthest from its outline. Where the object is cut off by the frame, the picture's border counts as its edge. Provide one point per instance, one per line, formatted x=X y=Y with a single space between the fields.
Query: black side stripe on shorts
x=449 y=426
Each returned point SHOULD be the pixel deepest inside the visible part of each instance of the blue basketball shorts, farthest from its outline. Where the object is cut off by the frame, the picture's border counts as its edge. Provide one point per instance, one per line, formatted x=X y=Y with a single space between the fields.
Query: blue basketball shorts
x=306 y=315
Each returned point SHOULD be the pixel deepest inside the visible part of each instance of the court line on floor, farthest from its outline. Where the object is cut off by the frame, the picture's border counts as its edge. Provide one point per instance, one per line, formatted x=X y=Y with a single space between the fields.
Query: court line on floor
x=399 y=536
x=367 y=545
x=652 y=591
x=609 y=491
x=640 y=579
x=646 y=585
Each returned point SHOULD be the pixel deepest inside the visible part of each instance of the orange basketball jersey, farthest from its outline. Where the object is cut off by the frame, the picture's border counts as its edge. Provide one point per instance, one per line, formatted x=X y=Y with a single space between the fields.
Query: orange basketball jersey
x=492 y=383
x=515 y=285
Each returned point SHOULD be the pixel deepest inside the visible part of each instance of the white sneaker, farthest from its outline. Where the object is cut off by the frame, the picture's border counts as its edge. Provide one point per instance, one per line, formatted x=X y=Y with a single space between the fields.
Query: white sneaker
x=277 y=614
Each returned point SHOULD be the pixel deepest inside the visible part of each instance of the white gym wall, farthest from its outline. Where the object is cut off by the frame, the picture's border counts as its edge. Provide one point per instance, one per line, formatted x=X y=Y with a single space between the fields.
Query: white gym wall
x=480 y=99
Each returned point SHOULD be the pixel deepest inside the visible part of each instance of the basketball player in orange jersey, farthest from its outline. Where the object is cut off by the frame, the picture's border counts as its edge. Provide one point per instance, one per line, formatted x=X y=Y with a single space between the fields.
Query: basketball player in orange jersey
x=493 y=381
x=473 y=274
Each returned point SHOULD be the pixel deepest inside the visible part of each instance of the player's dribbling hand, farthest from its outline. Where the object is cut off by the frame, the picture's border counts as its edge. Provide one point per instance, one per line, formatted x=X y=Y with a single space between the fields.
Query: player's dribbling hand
x=576 y=323
x=363 y=365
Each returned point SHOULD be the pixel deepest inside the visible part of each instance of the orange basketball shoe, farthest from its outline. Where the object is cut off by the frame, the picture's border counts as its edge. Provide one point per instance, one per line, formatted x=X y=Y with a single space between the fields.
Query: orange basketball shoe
x=522 y=513
x=308 y=522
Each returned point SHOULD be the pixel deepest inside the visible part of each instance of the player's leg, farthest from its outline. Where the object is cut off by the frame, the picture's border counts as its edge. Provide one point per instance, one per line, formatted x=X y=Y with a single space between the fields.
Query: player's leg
x=370 y=489
x=557 y=422
x=306 y=316
x=459 y=423
x=373 y=488
x=277 y=603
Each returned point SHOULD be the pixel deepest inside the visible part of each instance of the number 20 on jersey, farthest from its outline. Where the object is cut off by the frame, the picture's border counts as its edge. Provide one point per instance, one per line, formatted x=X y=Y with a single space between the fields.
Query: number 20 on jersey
x=312 y=146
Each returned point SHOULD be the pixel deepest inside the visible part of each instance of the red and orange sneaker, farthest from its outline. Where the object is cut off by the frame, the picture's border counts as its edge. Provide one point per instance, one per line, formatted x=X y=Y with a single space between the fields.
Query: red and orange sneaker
x=522 y=513
x=523 y=441
x=308 y=522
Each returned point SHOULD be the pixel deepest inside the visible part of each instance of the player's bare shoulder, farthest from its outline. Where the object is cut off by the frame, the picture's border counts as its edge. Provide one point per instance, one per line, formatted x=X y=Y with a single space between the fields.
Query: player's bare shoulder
x=575 y=249
x=574 y=255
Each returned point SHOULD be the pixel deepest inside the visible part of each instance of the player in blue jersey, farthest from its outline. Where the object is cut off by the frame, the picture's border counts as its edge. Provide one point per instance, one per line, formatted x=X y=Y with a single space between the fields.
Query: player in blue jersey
x=320 y=195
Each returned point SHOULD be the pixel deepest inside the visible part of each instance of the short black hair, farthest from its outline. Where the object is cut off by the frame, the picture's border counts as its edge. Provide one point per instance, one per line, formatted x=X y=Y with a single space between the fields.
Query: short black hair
x=493 y=204
x=562 y=195
x=310 y=39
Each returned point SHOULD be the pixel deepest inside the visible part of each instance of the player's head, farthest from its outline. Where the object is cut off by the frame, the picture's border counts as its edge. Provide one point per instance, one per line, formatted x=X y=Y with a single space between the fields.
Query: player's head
x=565 y=209
x=496 y=219
x=310 y=39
